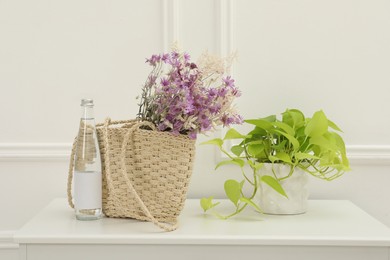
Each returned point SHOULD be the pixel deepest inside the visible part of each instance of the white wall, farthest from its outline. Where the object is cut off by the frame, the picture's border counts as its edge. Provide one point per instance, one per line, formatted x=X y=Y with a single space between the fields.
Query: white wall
x=331 y=55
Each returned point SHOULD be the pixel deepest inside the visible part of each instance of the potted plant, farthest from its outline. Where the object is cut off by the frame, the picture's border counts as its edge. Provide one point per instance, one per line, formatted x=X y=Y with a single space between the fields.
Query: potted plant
x=279 y=153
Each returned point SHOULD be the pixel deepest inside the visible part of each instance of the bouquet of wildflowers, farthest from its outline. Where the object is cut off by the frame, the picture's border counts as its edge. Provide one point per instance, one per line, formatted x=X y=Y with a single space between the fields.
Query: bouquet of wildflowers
x=187 y=98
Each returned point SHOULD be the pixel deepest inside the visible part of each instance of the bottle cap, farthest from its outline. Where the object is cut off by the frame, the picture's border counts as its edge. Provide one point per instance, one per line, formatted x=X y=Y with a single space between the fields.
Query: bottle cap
x=87 y=102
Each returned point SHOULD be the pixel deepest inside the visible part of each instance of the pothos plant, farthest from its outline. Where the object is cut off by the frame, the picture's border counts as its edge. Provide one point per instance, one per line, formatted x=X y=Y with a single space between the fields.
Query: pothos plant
x=312 y=144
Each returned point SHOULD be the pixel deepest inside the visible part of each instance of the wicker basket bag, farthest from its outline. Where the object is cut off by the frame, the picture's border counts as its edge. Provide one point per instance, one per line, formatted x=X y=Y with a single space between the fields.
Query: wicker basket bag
x=145 y=172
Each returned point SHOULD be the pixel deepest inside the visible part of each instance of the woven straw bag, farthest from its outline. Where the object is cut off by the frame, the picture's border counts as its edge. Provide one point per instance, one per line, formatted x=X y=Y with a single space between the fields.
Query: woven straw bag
x=145 y=172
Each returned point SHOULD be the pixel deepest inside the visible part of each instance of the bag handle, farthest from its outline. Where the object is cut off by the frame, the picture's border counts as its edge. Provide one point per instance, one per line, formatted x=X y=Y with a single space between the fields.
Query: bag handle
x=165 y=226
x=117 y=122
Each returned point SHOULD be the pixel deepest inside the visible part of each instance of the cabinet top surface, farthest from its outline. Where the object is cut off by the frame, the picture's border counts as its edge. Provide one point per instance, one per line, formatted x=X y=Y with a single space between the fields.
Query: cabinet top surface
x=327 y=222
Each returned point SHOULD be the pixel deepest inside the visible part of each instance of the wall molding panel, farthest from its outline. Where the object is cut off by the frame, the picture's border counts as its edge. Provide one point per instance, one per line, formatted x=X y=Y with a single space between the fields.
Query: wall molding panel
x=358 y=154
x=34 y=151
x=369 y=154
x=225 y=18
x=170 y=23
x=9 y=250
x=7 y=240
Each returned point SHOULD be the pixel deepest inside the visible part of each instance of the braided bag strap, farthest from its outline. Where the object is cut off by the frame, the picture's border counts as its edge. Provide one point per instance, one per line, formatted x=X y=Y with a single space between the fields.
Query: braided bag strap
x=129 y=135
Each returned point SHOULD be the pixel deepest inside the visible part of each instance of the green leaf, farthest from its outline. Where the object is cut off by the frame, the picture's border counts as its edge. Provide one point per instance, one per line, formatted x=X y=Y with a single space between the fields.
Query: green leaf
x=300 y=133
x=282 y=156
x=235 y=161
x=291 y=139
x=273 y=158
x=302 y=156
x=318 y=125
x=294 y=118
x=251 y=203
x=237 y=150
x=339 y=142
x=207 y=203
x=341 y=147
x=280 y=146
x=217 y=141
x=261 y=123
x=334 y=126
x=271 y=118
x=285 y=127
x=233 y=134
x=323 y=143
x=255 y=165
x=255 y=149
x=254 y=142
x=330 y=159
x=345 y=162
x=233 y=190
x=257 y=131
x=274 y=184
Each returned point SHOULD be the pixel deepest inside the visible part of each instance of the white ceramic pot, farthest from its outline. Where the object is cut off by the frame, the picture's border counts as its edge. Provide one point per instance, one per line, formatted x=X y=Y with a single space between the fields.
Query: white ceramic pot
x=271 y=202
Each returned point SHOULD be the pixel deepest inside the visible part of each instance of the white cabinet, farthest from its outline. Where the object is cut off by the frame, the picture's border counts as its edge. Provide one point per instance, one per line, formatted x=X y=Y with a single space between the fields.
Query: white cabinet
x=9 y=252
x=329 y=230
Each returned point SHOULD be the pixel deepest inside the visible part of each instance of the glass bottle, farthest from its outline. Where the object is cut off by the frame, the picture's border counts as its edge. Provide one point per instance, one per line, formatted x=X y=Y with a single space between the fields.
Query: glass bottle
x=88 y=169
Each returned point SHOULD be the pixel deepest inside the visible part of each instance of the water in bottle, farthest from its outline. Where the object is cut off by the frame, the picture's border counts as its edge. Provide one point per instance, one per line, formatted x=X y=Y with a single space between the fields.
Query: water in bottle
x=87 y=170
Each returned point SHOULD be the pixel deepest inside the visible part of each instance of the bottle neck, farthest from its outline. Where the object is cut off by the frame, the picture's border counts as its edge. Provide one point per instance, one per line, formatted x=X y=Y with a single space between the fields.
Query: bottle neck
x=87 y=113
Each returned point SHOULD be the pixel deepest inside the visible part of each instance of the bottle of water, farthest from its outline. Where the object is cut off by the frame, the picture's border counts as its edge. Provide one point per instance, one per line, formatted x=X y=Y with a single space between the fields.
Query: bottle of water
x=88 y=169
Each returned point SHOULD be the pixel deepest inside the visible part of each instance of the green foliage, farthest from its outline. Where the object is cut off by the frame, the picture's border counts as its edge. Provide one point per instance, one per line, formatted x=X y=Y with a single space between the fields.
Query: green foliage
x=217 y=141
x=274 y=183
x=311 y=144
x=236 y=161
x=233 y=190
x=207 y=203
x=308 y=143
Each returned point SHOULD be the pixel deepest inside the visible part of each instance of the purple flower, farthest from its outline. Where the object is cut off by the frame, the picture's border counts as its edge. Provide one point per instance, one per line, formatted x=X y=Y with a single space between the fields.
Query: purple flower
x=165 y=57
x=187 y=57
x=188 y=108
x=154 y=60
x=222 y=92
x=212 y=93
x=192 y=135
x=229 y=82
x=236 y=92
x=205 y=124
x=238 y=119
x=165 y=82
x=215 y=108
x=226 y=120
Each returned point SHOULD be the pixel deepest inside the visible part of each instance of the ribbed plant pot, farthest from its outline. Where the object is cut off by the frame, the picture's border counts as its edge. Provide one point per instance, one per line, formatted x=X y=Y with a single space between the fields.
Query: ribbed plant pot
x=272 y=202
